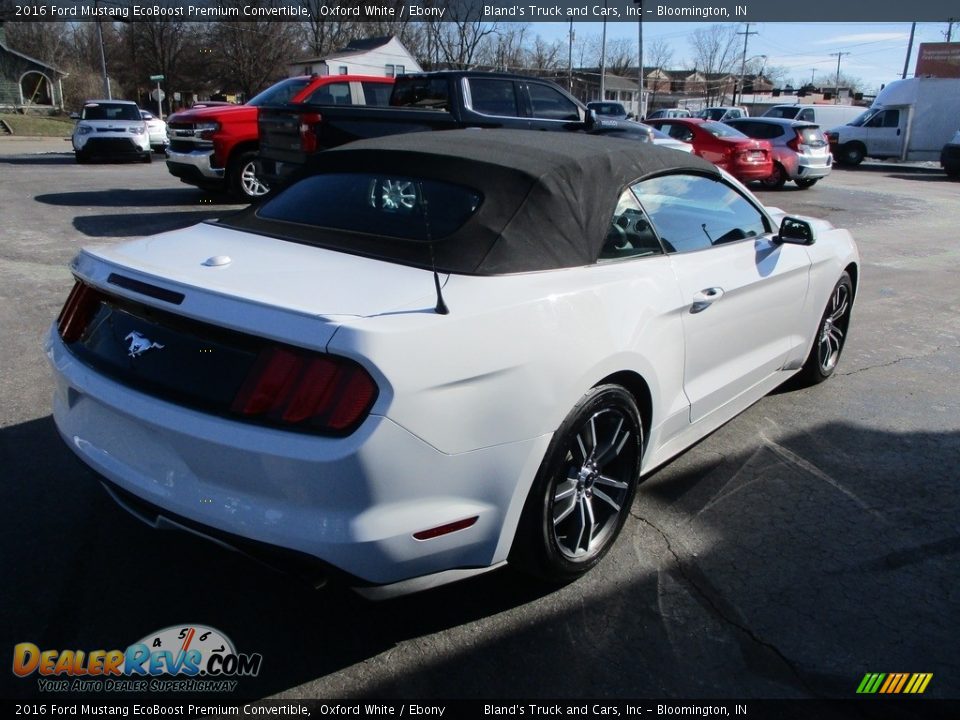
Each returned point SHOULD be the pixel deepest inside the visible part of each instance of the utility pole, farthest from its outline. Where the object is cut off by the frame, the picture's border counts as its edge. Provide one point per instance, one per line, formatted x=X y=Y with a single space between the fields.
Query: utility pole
x=813 y=71
x=906 y=60
x=570 y=61
x=836 y=94
x=743 y=63
x=603 y=57
x=950 y=22
x=640 y=112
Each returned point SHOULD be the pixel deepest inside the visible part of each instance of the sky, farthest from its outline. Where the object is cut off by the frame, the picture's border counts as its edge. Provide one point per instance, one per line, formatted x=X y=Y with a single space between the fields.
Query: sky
x=877 y=50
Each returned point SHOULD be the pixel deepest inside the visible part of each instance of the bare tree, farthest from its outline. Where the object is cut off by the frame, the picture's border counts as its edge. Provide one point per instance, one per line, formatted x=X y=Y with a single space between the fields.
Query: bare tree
x=714 y=51
x=460 y=44
x=660 y=55
x=251 y=56
x=543 y=55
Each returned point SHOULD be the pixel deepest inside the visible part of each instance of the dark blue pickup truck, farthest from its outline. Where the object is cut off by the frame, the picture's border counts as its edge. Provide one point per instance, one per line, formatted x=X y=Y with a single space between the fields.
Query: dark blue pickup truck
x=292 y=136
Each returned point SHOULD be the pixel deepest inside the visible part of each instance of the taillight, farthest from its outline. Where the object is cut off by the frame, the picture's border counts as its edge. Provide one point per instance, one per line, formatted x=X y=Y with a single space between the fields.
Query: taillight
x=794 y=144
x=308 y=138
x=77 y=311
x=291 y=387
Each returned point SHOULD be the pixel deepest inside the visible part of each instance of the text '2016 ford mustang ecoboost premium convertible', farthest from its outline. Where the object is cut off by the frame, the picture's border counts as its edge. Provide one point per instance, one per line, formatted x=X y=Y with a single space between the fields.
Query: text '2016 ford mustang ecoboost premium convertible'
x=443 y=352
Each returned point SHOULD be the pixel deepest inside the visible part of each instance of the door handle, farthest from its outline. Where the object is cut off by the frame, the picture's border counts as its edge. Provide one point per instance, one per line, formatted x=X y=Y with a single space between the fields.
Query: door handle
x=898 y=131
x=706 y=297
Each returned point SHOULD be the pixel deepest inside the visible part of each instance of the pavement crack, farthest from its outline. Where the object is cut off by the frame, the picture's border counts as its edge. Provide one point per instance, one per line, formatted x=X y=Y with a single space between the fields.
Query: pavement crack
x=937 y=349
x=725 y=616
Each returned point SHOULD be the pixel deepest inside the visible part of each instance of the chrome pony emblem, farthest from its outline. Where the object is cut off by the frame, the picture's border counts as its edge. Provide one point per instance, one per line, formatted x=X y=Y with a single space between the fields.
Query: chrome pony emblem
x=139 y=344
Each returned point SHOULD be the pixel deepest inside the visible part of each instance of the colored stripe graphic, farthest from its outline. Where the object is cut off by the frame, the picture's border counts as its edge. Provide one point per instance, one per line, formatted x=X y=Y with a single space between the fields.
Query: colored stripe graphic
x=894 y=683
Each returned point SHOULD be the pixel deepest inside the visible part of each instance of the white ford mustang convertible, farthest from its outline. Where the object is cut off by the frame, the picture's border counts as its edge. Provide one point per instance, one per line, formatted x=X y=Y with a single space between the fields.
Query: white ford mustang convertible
x=444 y=352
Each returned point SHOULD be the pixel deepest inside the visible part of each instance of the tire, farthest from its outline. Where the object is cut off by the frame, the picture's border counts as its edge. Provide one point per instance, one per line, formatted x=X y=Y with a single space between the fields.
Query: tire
x=776 y=179
x=831 y=335
x=242 y=180
x=851 y=153
x=806 y=184
x=581 y=497
x=147 y=157
x=82 y=158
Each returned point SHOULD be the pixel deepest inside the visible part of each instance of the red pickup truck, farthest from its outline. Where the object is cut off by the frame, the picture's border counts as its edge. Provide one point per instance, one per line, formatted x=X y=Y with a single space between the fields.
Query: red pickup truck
x=216 y=147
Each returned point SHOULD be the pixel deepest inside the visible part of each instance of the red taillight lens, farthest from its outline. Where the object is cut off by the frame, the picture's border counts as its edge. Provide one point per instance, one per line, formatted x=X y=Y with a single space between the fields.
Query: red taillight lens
x=77 y=311
x=287 y=386
x=308 y=138
x=794 y=144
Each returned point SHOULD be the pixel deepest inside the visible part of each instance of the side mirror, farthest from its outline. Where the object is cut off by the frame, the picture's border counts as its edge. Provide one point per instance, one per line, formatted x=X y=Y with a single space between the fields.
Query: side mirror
x=795 y=232
x=591 y=121
x=74 y=116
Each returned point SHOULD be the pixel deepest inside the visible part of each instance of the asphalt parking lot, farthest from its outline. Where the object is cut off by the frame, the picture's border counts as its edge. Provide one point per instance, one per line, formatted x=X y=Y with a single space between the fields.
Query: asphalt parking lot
x=813 y=539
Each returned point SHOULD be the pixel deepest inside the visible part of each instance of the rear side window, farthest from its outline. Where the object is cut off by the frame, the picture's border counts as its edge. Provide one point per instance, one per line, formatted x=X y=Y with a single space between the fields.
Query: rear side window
x=692 y=212
x=759 y=130
x=805 y=114
x=550 y=104
x=337 y=93
x=385 y=205
x=377 y=93
x=494 y=97
x=421 y=92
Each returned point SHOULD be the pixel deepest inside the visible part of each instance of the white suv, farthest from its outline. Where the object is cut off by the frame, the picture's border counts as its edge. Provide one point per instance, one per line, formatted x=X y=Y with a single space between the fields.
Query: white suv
x=111 y=128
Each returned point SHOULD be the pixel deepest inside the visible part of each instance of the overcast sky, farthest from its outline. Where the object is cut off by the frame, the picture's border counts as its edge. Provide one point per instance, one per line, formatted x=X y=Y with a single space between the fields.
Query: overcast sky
x=877 y=50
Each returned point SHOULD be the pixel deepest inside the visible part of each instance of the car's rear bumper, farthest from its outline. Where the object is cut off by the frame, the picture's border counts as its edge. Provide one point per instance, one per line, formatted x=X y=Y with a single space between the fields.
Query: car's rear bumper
x=811 y=167
x=747 y=173
x=352 y=503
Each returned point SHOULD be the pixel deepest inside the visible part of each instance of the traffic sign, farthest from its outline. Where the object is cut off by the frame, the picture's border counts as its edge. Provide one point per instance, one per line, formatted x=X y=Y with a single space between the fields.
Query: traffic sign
x=156 y=77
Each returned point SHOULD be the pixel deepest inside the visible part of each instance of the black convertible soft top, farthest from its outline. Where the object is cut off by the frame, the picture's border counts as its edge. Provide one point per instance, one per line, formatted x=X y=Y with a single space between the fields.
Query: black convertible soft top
x=548 y=197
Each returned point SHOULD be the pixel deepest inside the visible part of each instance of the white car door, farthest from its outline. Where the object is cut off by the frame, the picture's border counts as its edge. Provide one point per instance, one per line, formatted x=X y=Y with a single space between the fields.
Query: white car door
x=745 y=291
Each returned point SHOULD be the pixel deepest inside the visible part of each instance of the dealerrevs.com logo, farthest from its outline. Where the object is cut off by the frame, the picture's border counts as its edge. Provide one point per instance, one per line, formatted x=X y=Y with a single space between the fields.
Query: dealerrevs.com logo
x=180 y=658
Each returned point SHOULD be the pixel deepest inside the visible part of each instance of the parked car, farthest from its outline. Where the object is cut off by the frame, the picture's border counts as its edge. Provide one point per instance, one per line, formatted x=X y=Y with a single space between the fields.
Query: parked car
x=110 y=129
x=307 y=394
x=910 y=119
x=669 y=113
x=743 y=157
x=613 y=110
x=658 y=137
x=723 y=113
x=216 y=145
x=950 y=156
x=156 y=130
x=826 y=116
x=800 y=150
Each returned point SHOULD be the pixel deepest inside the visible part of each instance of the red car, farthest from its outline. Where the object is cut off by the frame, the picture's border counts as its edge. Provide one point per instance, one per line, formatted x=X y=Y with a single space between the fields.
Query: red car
x=743 y=157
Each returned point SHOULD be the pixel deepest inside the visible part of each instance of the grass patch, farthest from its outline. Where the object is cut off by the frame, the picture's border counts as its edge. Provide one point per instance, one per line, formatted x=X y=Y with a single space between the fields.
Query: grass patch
x=38 y=125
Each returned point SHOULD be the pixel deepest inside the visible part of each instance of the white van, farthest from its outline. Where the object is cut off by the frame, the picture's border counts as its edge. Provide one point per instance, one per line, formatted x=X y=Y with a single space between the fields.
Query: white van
x=826 y=116
x=911 y=119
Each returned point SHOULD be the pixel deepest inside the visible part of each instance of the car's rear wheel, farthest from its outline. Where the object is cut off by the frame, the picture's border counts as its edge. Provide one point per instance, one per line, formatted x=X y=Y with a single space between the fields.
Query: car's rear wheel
x=584 y=489
x=82 y=158
x=851 y=153
x=777 y=178
x=831 y=335
x=243 y=180
x=806 y=184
